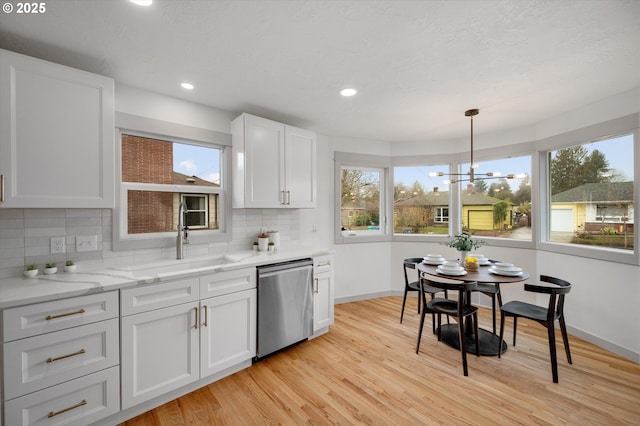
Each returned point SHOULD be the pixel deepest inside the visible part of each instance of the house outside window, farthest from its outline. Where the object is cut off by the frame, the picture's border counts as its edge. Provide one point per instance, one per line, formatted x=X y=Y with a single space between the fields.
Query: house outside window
x=591 y=194
x=158 y=174
x=419 y=206
x=498 y=207
x=360 y=200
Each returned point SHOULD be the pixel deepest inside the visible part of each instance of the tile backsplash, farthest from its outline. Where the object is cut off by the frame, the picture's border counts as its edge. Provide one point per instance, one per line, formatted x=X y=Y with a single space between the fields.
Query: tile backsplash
x=25 y=236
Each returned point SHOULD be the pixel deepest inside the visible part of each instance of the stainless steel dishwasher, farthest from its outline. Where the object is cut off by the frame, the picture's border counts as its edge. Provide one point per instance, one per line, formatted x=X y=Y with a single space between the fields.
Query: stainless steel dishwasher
x=285 y=305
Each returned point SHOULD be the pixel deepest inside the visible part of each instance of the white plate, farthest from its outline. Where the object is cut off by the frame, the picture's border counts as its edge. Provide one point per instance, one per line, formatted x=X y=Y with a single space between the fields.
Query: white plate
x=505 y=273
x=433 y=262
x=484 y=262
x=512 y=269
x=452 y=273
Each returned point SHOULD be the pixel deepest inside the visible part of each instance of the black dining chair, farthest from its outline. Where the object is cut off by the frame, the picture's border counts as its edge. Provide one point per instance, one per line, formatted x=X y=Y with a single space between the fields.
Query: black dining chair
x=460 y=309
x=413 y=284
x=545 y=316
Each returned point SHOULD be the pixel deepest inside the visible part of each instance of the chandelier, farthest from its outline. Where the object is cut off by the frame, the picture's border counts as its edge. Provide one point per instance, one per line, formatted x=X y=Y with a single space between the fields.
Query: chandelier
x=471 y=176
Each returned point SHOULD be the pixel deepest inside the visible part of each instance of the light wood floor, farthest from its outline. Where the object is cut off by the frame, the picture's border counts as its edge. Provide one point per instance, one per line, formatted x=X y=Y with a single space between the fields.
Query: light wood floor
x=366 y=371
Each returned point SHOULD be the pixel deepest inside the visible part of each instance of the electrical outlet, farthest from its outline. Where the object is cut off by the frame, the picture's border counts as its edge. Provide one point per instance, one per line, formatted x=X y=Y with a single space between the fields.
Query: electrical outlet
x=86 y=243
x=57 y=245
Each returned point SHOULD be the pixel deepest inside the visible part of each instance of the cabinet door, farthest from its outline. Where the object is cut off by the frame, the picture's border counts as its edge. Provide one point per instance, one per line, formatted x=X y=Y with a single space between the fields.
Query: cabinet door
x=56 y=135
x=322 y=301
x=228 y=331
x=264 y=163
x=300 y=168
x=159 y=352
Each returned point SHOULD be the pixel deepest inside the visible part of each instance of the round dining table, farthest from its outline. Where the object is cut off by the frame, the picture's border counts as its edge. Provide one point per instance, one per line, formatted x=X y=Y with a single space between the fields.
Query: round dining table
x=488 y=341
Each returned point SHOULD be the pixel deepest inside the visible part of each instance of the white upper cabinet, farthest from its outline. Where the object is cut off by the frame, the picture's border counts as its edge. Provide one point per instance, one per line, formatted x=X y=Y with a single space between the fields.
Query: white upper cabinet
x=274 y=164
x=56 y=135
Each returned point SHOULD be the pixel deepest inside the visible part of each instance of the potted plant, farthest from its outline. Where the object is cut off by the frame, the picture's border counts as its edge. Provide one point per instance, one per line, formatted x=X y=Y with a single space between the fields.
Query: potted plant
x=69 y=266
x=263 y=242
x=255 y=246
x=50 y=268
x=30 y=271
x=272 y=246
x=464 y=244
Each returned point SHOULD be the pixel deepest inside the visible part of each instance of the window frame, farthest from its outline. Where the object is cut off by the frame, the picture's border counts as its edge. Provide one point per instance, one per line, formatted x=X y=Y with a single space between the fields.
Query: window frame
x=606 y=130
x=157 y=129
x=344 y=160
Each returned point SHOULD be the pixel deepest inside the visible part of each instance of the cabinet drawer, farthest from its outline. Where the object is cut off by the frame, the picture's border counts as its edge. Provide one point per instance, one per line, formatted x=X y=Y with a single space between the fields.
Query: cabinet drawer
x=322 y=264
x=227 y=282
x=41 y=361
x=156 y=296
x=78 y=402
x=31 y=320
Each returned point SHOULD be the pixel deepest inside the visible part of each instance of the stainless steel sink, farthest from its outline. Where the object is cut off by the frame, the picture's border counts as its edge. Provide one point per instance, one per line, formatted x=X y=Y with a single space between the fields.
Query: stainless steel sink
x=157 y=268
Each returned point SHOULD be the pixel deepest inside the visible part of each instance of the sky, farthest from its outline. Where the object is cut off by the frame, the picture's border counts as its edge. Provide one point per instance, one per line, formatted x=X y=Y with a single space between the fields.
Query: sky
x=194 y=160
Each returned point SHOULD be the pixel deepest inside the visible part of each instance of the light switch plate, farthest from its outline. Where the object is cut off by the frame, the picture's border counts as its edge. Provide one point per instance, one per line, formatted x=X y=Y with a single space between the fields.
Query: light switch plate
x=86 y=243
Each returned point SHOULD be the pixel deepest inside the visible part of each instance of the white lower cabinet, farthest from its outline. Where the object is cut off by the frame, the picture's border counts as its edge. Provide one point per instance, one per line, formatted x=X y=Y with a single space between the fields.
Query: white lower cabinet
x=78 y=402
x=159 y=352
x=61 y=361
x=166 y=348
x=228 y=333
x=323 y=299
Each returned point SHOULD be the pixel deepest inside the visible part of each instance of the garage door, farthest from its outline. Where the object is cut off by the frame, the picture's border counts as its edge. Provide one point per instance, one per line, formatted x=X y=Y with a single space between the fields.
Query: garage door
x=562 y=220
x=481 y=220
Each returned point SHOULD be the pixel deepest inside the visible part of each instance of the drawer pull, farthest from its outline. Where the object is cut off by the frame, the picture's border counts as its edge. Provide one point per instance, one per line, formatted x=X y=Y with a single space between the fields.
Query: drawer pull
x=327 y=263
x=58 y=358
x=1 y=188
x=50 y=317
x=64 y=410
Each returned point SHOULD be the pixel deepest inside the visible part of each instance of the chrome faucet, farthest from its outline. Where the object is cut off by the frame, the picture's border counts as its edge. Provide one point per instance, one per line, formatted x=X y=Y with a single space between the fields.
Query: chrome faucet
x=183 y=231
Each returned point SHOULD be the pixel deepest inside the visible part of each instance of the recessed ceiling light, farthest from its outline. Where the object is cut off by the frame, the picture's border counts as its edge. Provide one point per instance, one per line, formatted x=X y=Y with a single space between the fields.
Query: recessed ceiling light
x=142 y=2
x=187 y=86
x=348 y=92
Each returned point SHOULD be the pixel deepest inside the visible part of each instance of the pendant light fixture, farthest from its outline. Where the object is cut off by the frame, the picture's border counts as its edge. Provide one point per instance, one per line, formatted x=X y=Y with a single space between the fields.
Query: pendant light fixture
x=471 y=176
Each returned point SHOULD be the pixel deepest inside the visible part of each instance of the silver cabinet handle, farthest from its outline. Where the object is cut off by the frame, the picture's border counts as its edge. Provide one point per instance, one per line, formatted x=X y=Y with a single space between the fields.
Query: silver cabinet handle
x=283 y=197
x=1 y=188
x=288 y=197
x=316 y=286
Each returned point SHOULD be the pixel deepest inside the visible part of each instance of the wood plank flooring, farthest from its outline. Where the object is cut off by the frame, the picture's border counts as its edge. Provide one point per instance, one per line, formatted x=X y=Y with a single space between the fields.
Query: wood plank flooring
x=366 y=371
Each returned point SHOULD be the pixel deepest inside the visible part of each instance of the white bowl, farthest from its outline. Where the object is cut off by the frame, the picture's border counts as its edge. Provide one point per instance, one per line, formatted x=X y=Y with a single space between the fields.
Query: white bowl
x=446 y=267
x=477 y=256
x=502 y=265
x=433 y=257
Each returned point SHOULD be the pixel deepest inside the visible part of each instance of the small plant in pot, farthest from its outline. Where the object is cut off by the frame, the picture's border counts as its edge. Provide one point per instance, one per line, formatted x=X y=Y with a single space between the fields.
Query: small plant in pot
x=50 y=269
x=464 y=244
x=69 y=266
x=30 y=271
x=272 y=246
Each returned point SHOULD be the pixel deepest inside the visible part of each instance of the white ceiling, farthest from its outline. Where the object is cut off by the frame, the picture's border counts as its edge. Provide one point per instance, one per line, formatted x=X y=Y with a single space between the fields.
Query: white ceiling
x=417 y=65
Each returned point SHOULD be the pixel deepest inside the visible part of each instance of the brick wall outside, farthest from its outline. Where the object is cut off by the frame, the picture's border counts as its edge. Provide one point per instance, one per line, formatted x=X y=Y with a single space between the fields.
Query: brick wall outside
x=148 y=161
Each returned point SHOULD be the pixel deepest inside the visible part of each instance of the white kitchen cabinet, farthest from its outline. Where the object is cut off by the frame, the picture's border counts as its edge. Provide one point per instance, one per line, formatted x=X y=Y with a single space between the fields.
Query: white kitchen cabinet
x=56 y=135
x=323 y=298
x=61 y=361
x=176 y=333
x=274 y=164
x=160 y=352
x=228 y=331
x=160 y=339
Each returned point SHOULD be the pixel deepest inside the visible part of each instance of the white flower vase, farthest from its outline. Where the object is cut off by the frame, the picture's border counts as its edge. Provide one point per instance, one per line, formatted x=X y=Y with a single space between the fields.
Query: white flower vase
x=463 y=256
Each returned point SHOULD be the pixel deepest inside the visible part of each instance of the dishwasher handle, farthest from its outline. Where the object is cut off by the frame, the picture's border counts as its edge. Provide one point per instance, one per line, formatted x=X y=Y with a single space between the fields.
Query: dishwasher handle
x=264 y=271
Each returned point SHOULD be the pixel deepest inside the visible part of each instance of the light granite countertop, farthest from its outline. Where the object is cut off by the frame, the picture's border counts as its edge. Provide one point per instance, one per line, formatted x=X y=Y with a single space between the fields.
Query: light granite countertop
x=89 y=279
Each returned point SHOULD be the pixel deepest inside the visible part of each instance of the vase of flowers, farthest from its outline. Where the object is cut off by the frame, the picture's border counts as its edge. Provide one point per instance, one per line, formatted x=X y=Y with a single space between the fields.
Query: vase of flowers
x=464 y=244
